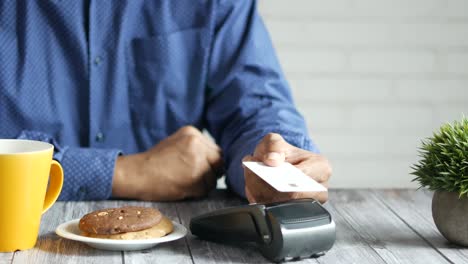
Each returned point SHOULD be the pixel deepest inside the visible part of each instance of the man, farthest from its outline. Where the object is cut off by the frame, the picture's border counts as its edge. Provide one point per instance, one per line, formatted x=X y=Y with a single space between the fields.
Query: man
x=123 y=88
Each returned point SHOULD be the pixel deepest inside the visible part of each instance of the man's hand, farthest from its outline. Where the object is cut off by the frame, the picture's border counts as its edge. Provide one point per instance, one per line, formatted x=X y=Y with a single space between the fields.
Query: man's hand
x=273 y=150
x=184 y=165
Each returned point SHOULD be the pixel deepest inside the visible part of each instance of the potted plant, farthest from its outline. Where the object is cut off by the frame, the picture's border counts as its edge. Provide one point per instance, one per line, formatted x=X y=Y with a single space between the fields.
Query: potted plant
x=443 y=168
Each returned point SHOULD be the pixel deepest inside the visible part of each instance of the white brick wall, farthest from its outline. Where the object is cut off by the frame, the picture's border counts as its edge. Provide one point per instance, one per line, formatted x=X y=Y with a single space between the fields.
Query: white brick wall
x=373 y=78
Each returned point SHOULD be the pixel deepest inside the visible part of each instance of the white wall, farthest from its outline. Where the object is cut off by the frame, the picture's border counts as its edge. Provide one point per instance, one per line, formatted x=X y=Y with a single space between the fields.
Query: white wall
x=372 y=78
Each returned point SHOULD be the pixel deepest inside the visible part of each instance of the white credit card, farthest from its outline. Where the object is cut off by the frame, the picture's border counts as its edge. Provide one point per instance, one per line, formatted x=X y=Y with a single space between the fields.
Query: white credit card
x=285 y=178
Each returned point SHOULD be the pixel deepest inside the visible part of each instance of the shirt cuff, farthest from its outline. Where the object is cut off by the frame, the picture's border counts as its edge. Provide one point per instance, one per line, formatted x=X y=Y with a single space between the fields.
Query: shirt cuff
x=88 y=173
x=243 y=147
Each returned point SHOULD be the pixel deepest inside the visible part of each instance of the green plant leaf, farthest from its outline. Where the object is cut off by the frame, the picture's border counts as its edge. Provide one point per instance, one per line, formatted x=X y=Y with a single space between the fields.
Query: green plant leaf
x=443 y=163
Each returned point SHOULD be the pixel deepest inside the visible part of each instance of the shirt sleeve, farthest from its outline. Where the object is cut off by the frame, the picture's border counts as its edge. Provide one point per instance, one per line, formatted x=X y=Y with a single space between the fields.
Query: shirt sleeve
x=87 y=172
x=247 y=94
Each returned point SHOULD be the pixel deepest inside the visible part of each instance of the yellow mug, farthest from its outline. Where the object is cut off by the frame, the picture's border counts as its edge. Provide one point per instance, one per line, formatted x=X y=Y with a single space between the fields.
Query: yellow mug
x=25 y=190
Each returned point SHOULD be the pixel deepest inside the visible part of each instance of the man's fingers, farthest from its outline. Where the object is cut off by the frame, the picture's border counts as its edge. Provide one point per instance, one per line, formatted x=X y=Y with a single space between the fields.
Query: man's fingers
x=248 y=158
x=319 y=196
x=320 y=170
x=249 y=196
x=203 y=186
x=214 y=157
x=258 y=191
x=210 y=143
x=271 y=159
x=325 y=184
x=210 y=181
x=192 y=131
x=247 y=171
x=212 y=167
x=272 y=142
x=272 y=150
x=274 y=158
x=215 y=161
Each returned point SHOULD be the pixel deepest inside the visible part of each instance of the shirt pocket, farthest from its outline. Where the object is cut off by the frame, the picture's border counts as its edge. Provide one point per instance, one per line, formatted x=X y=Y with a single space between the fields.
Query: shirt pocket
x=166 y=76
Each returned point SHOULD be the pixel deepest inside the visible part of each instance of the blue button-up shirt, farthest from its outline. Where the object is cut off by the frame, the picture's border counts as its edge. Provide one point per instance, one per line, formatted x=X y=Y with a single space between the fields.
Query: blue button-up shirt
x=99 y=78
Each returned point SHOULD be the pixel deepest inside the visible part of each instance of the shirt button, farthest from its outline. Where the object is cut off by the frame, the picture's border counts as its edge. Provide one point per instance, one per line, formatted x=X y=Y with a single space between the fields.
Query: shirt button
x=97 y=60
x=82 y=190
x=99 y=137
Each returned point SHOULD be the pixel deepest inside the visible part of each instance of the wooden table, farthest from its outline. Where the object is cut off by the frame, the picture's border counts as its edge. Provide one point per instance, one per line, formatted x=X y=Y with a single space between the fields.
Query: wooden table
x=373 y=226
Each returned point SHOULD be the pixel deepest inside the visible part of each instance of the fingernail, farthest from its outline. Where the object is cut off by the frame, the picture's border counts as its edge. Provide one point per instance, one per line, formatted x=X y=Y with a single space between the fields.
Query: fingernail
x=274 y=156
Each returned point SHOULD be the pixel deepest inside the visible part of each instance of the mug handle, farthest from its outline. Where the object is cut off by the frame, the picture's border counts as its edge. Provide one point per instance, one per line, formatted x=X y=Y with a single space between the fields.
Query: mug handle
x=55 y=185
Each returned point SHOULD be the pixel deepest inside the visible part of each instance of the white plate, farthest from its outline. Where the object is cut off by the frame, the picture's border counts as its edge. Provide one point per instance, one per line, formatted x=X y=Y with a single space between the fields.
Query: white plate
x=71 y=231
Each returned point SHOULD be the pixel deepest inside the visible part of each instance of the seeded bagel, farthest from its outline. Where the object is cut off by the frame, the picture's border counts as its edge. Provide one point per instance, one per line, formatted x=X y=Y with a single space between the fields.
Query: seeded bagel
x=161 y=229
x=112 y=221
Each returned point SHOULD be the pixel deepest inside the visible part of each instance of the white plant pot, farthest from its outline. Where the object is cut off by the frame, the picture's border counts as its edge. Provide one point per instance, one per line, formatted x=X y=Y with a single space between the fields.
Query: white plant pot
x=450 y=215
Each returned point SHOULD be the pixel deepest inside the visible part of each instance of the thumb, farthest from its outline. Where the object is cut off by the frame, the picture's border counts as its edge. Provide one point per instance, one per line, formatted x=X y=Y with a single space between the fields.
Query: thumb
x=274 y=158
x=272 y=149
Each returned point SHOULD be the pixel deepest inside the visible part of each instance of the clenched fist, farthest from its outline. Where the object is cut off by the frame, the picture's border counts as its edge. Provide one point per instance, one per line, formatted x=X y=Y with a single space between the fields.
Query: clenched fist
x=274 y=150
x=184 y=165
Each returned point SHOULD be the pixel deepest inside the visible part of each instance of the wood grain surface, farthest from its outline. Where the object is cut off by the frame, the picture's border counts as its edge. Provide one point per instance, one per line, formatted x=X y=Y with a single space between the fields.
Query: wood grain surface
x=373 y=226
